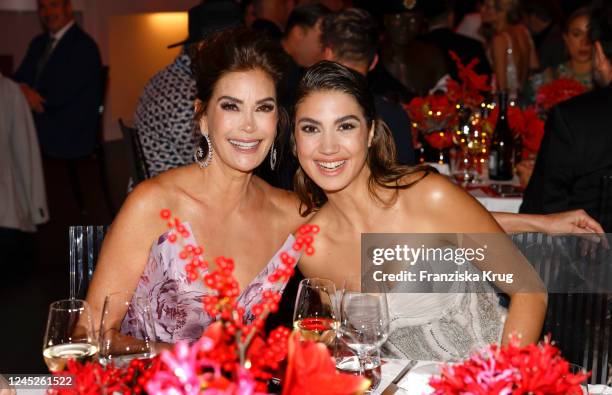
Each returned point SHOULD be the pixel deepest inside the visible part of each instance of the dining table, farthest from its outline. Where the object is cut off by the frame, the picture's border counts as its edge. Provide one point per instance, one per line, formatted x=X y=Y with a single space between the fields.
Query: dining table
x=414 y=381
x=483 y=189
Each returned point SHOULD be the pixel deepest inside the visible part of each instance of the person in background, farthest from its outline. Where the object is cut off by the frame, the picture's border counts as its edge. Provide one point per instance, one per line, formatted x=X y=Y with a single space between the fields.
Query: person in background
x=350 y=37
x=301 y=44
x=302 y=38
x=542 y=19
x=440 y=18
x=271 y=16
x=469 y=24
x=578 y=68
x=61 y=78
x=575 y=155
x=23 y=205
x=578 y=45
x=164 y=114
x=403 y=22
x=509 y=43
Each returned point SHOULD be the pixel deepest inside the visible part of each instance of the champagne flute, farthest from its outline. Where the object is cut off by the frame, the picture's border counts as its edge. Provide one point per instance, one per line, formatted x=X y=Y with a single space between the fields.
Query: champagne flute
x=69 y=334
x=127 y=331
x=315 y=314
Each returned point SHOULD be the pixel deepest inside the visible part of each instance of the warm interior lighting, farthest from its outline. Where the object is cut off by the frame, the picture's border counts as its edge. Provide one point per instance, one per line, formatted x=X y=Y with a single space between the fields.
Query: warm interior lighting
x=168 y=19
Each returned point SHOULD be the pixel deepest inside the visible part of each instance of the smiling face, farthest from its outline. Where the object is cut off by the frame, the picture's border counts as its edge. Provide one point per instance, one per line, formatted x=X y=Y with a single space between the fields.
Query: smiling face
x=332 y=139
x=241 y=118
x=577 y=40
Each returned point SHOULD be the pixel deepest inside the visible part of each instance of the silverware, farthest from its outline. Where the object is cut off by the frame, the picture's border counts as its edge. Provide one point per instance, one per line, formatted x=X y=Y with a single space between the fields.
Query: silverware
x=392 y=388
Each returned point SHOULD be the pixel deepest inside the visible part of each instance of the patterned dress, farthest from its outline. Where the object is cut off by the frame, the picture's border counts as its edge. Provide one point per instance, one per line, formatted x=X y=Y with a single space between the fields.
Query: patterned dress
x=164 y=117
x=176 y=304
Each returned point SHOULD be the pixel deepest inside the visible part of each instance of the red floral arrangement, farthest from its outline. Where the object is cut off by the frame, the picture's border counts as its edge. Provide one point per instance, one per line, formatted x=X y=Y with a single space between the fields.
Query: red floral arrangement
x=432 y=113
x=436 y=115
x=232 y=357
x=533 y=369
x=440 y=140
x=557 y=91
x=468 y=90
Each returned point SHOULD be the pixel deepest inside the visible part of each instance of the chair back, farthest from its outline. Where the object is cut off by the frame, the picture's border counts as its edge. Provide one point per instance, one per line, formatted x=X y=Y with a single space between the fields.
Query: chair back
x=85 y=243
x=579 y=323
x=140 y=170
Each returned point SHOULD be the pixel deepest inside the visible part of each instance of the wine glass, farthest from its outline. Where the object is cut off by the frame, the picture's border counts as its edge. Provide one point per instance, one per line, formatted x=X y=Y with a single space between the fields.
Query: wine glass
x=364 y=325
x=69 y=334
x=127 y=331
x=315 y=314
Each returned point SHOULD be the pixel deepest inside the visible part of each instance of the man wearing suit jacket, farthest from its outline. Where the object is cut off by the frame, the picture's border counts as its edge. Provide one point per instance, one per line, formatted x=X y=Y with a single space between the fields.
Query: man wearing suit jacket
x=576 y=150
x=440 y=15
x=60 y=77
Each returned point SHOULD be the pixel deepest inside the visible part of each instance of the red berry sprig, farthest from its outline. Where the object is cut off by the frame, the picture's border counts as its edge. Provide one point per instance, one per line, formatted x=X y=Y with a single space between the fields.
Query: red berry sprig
x=239 y=341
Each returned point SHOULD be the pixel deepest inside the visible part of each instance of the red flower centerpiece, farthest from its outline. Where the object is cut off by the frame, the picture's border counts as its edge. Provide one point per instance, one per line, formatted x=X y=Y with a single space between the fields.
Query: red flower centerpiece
x=511 y=370
x=233 y=356
x=557 y=91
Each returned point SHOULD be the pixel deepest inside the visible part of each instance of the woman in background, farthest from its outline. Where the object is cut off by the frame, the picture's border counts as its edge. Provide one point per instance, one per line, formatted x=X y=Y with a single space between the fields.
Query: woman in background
x=580 y=50
x=511 y=49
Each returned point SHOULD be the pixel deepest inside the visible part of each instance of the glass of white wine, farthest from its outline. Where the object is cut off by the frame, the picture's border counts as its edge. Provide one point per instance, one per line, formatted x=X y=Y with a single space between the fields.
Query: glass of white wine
x=127 y=330
x=315 y=314
x=69 y=334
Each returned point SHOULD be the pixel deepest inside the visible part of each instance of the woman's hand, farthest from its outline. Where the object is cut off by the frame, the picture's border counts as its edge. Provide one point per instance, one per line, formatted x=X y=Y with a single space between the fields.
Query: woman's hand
x=575 y=221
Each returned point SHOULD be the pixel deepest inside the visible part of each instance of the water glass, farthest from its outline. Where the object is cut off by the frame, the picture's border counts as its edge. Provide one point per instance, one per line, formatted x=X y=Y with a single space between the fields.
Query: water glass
x=127 y=331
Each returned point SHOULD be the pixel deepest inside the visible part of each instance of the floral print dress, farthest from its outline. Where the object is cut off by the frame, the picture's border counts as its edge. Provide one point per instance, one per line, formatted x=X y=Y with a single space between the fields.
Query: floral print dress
x=176 y=304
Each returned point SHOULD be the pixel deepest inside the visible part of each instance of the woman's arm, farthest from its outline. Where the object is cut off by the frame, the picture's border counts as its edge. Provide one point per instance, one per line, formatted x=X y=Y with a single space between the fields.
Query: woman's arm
x=126 y=246
x=574 y=221
x=457 y=212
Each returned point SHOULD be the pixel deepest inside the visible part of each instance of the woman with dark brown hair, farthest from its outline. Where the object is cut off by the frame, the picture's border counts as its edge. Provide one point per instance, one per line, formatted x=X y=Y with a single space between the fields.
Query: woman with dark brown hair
x=349 y=177
x=225 y=207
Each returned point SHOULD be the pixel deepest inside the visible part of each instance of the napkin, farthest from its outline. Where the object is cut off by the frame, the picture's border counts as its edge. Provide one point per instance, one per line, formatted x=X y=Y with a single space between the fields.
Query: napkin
x=416 y=381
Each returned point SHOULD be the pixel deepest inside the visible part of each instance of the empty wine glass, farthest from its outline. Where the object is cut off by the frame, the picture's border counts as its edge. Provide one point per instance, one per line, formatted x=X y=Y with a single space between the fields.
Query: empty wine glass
x=127 y=331
x=364 y=325
x=315 y=314
x=69 y=334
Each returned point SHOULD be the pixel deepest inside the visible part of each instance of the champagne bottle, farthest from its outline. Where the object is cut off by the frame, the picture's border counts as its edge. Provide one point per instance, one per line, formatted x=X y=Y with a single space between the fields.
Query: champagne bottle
x=501 y=155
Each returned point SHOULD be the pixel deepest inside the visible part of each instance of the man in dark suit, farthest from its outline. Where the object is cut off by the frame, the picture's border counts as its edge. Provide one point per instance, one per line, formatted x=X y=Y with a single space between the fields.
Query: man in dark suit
x=576 y=150
x=440 y=16
x=350 y=37
x=61 y=79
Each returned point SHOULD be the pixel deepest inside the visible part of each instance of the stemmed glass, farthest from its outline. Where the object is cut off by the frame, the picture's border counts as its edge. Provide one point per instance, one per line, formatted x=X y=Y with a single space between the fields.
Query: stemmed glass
x=127 y=331
x=364 y=327
x=315 y=314
x=69 y=334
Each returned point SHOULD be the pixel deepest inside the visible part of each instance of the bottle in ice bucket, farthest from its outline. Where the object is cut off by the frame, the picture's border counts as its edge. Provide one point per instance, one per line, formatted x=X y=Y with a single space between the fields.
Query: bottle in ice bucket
x=501 y=154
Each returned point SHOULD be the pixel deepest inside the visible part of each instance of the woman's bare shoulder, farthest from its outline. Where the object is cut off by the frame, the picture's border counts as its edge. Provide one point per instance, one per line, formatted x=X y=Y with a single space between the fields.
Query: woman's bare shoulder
x=148 y=198
x=436 y=197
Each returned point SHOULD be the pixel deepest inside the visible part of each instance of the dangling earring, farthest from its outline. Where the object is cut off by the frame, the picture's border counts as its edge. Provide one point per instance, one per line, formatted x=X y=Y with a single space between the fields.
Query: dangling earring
x=273 y=157
x=203 y=159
